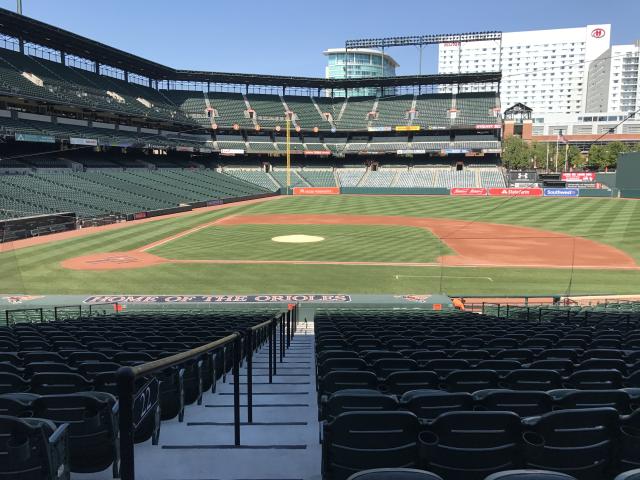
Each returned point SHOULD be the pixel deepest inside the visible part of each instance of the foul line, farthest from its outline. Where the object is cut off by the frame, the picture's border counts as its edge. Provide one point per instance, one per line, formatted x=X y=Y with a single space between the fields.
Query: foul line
x=398 y=277
x=180 y=235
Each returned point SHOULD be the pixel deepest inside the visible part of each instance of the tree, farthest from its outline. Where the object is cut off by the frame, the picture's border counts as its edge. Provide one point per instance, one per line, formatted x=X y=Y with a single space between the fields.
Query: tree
x=516 y=153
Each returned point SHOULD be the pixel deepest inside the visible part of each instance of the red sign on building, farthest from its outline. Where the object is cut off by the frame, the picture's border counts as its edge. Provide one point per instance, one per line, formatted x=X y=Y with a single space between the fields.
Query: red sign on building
x=598 y=32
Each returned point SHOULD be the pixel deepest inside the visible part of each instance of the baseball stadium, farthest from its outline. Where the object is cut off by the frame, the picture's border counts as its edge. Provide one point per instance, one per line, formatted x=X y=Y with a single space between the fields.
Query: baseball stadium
x=209 y=275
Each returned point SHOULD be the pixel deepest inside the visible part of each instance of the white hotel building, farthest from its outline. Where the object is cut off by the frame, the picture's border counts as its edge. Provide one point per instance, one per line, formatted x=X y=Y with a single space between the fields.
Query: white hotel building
x=547 y=70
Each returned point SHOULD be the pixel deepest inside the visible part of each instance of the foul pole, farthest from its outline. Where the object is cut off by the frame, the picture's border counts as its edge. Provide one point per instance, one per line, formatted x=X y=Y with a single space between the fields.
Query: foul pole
x=288 y=154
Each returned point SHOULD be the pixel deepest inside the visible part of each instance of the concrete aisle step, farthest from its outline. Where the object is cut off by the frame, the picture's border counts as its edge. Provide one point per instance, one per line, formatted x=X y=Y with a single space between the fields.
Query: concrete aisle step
x=281 y=444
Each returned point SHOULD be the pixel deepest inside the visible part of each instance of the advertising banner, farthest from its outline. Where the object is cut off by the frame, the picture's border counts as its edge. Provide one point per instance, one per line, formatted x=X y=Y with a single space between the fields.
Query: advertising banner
x=184 y=149
x=523 y=176
x=453 y=151
x=468 y=192
x=411 y=152
x=379 y=129
x=407 y=128
x=561 y=192
x=488 y=126
x=216 y=298
x=27 y=137
x=232 y=151
x=316 y=190
x=89 y=142
x=578 y=177
x=317 y=152
x=212 y=203
x=515 y=192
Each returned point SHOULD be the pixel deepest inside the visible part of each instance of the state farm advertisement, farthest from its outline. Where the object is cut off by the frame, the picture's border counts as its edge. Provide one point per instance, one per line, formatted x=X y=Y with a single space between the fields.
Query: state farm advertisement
x=316 y=191
x=468 y=192
x=515 y=192
x=578 y=177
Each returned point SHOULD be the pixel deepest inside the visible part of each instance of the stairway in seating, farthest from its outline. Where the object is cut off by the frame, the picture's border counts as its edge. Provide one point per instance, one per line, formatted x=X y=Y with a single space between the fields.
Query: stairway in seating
x=282 y=442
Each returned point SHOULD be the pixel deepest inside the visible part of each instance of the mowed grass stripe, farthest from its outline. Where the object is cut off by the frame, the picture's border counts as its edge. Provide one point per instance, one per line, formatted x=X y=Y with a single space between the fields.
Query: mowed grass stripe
x=342 y=243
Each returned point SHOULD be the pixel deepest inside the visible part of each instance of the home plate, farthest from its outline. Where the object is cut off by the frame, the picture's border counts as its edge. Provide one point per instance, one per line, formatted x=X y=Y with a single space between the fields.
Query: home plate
x=297 y=239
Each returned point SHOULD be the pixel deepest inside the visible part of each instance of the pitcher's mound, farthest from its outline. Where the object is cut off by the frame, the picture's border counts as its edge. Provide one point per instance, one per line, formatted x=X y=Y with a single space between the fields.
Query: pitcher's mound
x=297 y=239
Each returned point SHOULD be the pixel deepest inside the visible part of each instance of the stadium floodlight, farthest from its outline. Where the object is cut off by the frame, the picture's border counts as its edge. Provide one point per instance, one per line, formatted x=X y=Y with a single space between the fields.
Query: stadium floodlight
x=19 y=7
x=419 y=40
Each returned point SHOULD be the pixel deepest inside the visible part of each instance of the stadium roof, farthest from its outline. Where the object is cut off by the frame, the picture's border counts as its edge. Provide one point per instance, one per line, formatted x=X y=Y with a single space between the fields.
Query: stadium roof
x=35 y=31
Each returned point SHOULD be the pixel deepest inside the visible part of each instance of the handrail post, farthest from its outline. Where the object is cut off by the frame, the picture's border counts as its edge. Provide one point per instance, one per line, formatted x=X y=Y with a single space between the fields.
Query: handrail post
x=289 y=317
x=237 y=345
x=274 y=335
x=282 y=341
x=125 y=379
x=270 y=334
x=249 y=349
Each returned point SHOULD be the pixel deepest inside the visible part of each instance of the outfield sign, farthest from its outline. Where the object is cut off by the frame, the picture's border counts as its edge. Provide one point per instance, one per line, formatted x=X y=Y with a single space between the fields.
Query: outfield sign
x=88 y=142
x=379 y=129
x=411 y=152
x=454 y=151
x=316 y=190
x=407 y=128
x=561 y=192
x=27 y=137
x=317 y=152
x=468 y=192
x=217 y=299
x=232 y=151
x=578 y=177
x=515 y=192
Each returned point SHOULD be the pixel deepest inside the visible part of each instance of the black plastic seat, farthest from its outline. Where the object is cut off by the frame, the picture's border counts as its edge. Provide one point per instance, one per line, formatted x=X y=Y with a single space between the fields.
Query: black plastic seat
x=618 y=399
x=502 y=367
x=340 y=380
x=429 y=404
x=445 y=366
x=529 y=475
x=355 y=400
x=532 y=379
x=564 y=367
x=471 y=445
x=386 y=366
x=93 y=429
x=525 y=403
x=371 y=356
x=470 y=380
x=32 y=449
x=394 y=474
x=326 y=354
x=595 y=380
x=359 y=441
x=10 y=383
x=341 y=364
x=576 y=442
x=629 y=447
x=398 y=383
x=59 y=383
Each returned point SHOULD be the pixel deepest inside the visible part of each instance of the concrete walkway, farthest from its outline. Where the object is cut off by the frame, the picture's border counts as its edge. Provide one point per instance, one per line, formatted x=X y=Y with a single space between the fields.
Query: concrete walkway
x=282 y=443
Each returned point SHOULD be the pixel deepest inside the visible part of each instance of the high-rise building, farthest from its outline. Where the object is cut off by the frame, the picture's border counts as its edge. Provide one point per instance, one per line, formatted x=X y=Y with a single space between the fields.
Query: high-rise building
x=358 y=63
x=614 y=80
x=546 y=70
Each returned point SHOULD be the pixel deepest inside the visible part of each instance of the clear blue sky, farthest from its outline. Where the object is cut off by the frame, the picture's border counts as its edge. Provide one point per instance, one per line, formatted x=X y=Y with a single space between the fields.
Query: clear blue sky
x=287 y=37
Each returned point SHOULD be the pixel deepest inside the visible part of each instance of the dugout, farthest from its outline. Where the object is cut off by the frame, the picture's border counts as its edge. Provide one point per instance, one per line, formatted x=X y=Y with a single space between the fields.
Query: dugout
x=628 y=175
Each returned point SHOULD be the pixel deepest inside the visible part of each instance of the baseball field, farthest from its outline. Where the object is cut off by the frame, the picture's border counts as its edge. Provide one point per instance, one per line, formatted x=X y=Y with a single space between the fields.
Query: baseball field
x=346 y=244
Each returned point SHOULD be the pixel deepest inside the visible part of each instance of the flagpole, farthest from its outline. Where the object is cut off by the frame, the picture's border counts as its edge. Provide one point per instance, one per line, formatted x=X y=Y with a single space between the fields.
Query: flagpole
x=566 y=157
x=547 y=157
x=557 y=149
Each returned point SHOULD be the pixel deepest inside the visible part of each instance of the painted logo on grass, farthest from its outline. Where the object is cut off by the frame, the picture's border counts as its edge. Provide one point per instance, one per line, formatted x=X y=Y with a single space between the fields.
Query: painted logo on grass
x=21 y=298
x=328 y=298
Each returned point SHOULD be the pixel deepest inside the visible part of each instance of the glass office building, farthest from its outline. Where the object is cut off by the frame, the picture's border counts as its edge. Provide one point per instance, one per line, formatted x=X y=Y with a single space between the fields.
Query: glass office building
x=358 y=63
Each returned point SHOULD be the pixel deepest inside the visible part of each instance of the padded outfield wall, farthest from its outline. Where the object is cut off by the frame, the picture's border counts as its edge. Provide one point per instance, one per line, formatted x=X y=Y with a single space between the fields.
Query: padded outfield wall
x=628 y=175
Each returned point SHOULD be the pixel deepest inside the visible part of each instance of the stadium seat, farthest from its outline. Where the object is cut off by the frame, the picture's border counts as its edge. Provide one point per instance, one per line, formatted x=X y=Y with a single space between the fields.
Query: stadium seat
x=33 y=449
x=356 y=400
x=358 y=441
x=394 y=474
x=471 y=445
x=428 y=404
x=398 y=383
x=595 y=380
x=529 y=475
x=532 y=379
x=588 y=434
x=523 y=402
x=470 y=380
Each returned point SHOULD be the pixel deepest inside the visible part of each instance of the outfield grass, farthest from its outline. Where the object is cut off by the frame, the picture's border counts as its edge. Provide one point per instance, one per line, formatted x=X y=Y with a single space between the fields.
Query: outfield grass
x=36 y=270
x=342 y=243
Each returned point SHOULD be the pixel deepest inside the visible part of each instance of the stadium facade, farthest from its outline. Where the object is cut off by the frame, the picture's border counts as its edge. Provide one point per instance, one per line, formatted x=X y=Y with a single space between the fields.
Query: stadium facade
x=547 y=70
x=359 y=63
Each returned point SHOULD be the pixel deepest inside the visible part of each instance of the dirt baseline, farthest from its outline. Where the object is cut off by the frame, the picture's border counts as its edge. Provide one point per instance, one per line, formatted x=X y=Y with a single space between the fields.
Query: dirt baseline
x=474 y=243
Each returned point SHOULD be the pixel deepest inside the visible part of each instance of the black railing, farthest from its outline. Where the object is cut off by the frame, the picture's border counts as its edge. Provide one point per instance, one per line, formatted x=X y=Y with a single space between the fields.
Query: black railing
x=138 y=403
